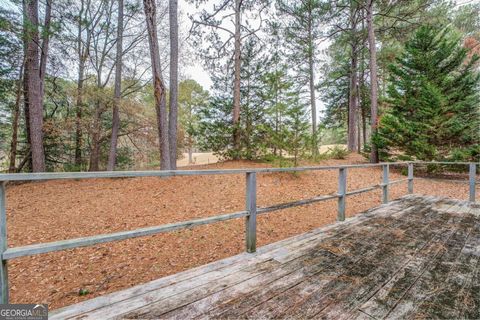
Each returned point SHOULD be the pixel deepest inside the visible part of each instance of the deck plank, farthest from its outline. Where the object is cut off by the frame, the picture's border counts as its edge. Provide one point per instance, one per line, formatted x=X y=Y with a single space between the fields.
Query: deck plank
x=454 y=291
x=384 y=300
x=418 y=256
x=156 y=309
x=352 y=246
x=279 y=250
x=404 y=254
x=421 y=294
x=339 y=297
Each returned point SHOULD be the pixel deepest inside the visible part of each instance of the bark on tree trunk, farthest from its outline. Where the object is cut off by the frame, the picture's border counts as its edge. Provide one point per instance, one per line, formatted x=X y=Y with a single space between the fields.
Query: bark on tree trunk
x=112 y=156
x=236 y=83
x=364 y=126
x=313 y=103
x=373 y=78
x=360 y=90
x=44 y=48
x=352 y=104
x=15 y=120
x=158 y=84
x=359 y=129
x=82 y=50
x=190 y=154
x=173 y=103
x=352 y=101
x=95 y=149
x=26 y=109
x=34 y=87
x=361 y=82
x=78 y=117
x=314 y=111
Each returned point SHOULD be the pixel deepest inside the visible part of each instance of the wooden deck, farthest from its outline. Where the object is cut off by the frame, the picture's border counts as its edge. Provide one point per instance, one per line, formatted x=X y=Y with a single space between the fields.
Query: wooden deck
x=417 y=257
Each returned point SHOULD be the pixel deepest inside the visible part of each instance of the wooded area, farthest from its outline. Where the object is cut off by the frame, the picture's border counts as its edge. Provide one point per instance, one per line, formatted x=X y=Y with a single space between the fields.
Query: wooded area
x=102 y=85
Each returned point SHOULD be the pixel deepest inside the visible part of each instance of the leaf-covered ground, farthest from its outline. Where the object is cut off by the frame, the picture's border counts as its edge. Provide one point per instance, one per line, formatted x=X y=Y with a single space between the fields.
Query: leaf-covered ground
x=56 y=210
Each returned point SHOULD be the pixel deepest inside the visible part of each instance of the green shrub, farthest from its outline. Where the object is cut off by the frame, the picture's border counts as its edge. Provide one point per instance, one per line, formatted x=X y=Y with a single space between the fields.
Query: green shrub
x=337 y=152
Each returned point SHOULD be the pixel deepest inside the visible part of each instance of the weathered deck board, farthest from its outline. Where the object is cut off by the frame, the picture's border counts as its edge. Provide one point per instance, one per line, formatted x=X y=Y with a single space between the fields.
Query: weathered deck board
x=427 y=287
x=415 y=257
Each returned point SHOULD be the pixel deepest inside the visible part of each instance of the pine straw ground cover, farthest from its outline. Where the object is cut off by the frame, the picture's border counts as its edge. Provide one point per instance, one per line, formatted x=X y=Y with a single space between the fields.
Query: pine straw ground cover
x=55 y=210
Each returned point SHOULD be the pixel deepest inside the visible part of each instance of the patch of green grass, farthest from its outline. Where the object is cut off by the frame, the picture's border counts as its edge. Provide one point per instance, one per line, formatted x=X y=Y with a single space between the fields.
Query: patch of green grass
x=83 y=292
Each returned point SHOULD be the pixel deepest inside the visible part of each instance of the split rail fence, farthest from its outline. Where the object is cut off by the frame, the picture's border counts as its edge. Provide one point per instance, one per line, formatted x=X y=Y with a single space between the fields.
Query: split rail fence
x=250 y=213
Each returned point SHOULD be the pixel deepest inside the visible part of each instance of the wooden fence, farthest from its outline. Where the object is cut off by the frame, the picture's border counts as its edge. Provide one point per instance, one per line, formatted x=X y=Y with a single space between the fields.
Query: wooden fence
x=250 y=213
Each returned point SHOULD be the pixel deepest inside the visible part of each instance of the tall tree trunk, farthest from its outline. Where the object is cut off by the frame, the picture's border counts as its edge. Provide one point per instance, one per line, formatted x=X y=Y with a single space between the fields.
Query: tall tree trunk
x=112 y=156
x=173 y=102
x=82 y=50
x=189 y=133
x=361 y=82
x=190 y=150
x=373 y=79
x=277 y=113
x=78 y=117
x=314 y=109
x=34 y=87
x=15 y=120
x=26 y=109
x=364 y=127
x=236 y=81
x=360 y=90
x=158 y=84
x=95 y=147
x=352 y=101
x=311 y=76
x=359 y=129
x=44 y=47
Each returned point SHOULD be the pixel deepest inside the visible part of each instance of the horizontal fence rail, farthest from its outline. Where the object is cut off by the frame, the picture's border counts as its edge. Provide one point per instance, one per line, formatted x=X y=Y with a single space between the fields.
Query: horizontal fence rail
x=169 y=173
x=250 y=213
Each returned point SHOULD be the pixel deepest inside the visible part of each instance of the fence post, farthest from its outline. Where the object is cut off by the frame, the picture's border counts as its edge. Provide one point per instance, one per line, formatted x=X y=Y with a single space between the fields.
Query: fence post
x=3 y=244
x=410 y=178
x=386 y=170
x=472 y=176
x=251 y=207
x=342 y=190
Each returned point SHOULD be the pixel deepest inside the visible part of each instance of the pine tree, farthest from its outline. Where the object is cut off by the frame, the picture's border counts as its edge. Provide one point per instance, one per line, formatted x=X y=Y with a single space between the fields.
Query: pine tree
x=216 y=125
x=433 y=111
x=304 y=30
x=275 y=90
x=297 y=126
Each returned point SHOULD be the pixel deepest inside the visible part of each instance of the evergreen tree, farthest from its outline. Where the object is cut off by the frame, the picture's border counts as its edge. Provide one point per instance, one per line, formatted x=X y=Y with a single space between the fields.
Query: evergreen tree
x=433 y=111
x=304 y=31
x=216 y=125
x=335 y=84
x=191 y=98
x=297 y=126
x=276 y=88
x=275 y=91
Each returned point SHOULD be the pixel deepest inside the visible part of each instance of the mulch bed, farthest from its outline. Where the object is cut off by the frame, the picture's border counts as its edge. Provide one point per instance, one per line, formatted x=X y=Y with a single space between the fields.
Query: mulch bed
x=64 y=209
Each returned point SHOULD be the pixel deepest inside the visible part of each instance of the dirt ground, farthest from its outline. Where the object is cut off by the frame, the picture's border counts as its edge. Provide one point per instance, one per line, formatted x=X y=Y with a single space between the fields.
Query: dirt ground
x=56 y=210
x=198 y=158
